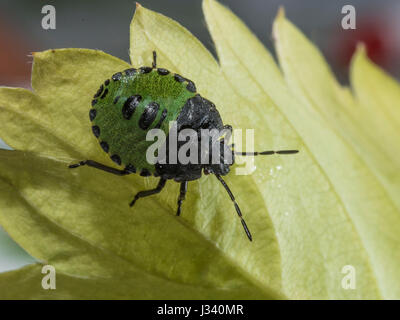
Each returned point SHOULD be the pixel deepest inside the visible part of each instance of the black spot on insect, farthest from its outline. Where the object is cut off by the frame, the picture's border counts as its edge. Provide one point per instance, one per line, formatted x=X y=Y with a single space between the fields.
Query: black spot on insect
x=116 y=99
x=98 y=93
x=163 y=116
x=117 y=76
x=149 y=115
x=130 y=168
x=179 y=78
x=107 y=82
x=96 y=131
x=130 y=106
x=130 y=72
x=191 y=86
x=104 y=146
x=104 y=94
x=94 y=102
x=145 y=173
x=162 y=72
x=92 y=114
x=116 y=159
x=145 y=69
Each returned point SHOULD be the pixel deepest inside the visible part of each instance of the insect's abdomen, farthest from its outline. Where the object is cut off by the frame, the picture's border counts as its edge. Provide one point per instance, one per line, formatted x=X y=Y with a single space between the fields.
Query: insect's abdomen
x=130 y=104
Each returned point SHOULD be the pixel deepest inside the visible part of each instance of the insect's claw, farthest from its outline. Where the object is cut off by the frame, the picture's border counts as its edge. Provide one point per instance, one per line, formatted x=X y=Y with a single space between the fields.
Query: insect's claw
x=76 y=165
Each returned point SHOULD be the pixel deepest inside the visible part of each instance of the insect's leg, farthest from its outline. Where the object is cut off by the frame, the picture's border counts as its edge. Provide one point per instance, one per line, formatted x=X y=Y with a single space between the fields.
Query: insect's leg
x=146 y=193
x=182 y=195
x=236 y=207
x=266 y=153
x=100 y=166
x=154 y=65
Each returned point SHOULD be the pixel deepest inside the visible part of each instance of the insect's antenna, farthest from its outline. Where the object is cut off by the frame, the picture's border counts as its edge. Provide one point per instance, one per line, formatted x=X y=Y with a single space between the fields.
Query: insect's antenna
x=266 y=153
x=154 y=65
x=236 y=207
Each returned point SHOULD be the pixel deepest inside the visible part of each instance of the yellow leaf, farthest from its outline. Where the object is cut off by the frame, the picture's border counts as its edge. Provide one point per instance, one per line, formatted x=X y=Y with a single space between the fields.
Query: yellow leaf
x=66 y=80
x=82 y=225
x=22 y=113
x=377 y=114
x=333 y=138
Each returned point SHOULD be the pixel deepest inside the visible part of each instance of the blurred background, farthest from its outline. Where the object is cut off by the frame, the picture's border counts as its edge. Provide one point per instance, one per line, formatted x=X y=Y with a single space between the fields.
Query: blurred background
x=104 y=25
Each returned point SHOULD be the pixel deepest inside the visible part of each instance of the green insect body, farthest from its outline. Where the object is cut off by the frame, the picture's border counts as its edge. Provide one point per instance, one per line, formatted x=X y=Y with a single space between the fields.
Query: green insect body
x=135 y=101
x=122 y=134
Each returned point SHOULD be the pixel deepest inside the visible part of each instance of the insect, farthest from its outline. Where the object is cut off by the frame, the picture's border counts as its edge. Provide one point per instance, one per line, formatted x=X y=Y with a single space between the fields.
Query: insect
x=135 y=101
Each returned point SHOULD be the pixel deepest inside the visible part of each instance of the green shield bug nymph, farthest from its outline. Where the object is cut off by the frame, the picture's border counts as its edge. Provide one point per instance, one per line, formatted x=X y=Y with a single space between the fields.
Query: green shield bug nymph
x=135 y=101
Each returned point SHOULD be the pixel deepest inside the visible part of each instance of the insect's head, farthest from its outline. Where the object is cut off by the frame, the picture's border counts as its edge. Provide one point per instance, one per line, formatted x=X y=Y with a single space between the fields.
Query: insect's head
x=221 y=156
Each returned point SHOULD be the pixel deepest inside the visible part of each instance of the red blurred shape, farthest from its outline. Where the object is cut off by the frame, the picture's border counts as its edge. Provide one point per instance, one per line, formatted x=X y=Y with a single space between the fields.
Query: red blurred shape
x=14 y=62
x=373 y=32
